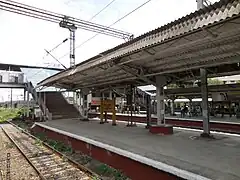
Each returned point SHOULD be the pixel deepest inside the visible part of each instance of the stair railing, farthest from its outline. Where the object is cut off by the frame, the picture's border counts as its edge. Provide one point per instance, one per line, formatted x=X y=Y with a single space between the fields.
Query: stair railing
x=39 y=100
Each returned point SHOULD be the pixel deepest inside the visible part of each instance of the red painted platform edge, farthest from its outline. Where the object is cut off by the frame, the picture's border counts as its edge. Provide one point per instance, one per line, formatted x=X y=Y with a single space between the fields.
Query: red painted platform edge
x=194 y=124
x=133 y=169
x=161 y=129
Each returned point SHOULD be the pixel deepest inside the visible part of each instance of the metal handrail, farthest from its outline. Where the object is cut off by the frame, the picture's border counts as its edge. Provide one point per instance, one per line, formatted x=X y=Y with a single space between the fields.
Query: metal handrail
x=39 y=100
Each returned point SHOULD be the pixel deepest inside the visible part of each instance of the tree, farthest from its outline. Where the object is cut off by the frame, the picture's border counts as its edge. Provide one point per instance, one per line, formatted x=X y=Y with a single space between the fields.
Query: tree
x=213 y=81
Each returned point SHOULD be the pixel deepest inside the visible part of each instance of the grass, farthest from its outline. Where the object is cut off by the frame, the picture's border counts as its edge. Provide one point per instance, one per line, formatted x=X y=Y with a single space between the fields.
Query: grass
x=106 y=170
x=100 y=168
x=59 y=146
x=7 y=113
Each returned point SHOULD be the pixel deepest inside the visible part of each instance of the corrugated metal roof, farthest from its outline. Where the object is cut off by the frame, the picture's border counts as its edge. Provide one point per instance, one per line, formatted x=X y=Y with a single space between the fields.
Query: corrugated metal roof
x=211 y=15
x=214 y=13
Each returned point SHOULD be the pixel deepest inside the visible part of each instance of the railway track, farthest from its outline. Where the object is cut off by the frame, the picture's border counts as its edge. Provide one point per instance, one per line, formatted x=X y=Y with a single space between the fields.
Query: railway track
x=48 y=163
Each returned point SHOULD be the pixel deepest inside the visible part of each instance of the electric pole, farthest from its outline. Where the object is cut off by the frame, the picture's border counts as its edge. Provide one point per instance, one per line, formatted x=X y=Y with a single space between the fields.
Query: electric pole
x=200 y=4
x=72 y=28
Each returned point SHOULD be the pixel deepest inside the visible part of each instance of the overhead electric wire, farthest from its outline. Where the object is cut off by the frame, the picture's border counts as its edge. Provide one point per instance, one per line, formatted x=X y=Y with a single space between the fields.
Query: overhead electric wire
x=31 y=11
x=56 y=47
x=92 y=37
x=49 y=52
x=105 y=7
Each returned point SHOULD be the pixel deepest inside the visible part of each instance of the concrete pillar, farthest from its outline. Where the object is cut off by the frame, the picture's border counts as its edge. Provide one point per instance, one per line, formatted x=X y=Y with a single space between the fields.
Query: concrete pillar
x=205 y=108
x=24 y=100
x=44 y=102
x=80 y=102
x=172 y=107
x=28 y=103
x=24 y=95
x=85 y=103
x=110 y=94
x=101 y=109
x=41 y=107
x=148 y=111
x=160 y=82
x=190 y=107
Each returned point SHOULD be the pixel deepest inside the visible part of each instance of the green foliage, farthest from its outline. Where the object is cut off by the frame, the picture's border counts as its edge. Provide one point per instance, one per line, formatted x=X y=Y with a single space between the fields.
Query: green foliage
x=59 y=146
x=172 y=86
x=41 y=136
x=213 y=81
x=38 y=142
x=6 y=114
x=105 y=170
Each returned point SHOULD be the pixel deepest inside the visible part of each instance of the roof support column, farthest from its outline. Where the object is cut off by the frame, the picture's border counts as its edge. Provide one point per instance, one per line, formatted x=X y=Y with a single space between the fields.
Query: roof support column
x=28 y=102
x=160 y=82
x=44 y=107
x=161 y=127
x=83 y=107
x=149 y=111
x=190 y=106
x=205 y=108
x=172 y=106
x=24 y=100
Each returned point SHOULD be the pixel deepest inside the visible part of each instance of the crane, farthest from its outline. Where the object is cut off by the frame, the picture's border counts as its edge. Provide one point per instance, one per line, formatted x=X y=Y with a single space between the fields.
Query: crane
x=64 y=21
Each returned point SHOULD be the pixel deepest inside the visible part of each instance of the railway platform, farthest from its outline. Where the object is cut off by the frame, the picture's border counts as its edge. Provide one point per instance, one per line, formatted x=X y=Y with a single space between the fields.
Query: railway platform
x=228 y=125
x=184 y=153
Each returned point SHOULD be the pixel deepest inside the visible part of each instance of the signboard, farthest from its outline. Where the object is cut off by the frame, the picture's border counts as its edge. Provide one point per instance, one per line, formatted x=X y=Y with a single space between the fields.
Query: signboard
x=107 y=105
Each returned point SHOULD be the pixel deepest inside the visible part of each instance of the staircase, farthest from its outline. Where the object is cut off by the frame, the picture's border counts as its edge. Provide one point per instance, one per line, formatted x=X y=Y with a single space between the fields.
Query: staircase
x=58 y=106
x=142 y=98
x=30 y=88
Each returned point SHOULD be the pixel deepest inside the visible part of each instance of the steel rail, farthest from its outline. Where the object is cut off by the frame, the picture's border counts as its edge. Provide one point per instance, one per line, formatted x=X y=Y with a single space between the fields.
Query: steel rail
x=73 y=162
x=29 y=161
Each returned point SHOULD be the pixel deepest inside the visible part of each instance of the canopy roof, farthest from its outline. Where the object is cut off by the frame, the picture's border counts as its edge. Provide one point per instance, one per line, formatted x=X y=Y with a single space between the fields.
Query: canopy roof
x=207 y=38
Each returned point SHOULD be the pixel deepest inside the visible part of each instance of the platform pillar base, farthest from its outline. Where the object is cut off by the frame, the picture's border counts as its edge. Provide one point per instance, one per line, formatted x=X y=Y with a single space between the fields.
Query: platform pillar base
x=207 y=135
x=84 y=119
x=114 y=124
x=147 y=126
x=131 y=125
x=161 y=129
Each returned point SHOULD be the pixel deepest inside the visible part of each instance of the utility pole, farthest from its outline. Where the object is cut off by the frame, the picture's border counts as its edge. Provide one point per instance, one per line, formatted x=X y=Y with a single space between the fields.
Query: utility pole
x=200 y=4
x=11 y=102
x=72 y=28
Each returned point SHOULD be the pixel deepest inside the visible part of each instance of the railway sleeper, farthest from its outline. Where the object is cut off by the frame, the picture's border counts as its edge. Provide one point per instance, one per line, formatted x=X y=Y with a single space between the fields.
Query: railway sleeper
x=39 y=166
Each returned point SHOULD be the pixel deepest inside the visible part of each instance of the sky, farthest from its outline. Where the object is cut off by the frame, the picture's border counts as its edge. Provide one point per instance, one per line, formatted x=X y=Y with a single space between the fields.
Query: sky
x=23 y=39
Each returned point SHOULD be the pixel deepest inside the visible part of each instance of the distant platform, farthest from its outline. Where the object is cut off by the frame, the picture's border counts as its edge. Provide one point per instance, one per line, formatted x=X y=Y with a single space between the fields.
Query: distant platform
x=230 y=126
x=217 y=158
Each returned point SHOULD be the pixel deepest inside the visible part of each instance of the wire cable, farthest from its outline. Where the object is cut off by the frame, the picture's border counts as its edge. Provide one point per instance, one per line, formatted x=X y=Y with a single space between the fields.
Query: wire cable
x=57 y=59
x=31 y=11
x=105 y=7
x=92 y=37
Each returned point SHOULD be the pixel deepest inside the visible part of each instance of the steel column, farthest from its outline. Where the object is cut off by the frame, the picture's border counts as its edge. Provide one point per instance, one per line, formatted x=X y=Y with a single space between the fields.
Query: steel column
x=148 y=105
x=28 y=103
x=24 y=100
x=172 y=107
x=72 y=47
x=200 y=4
x=44 y=102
